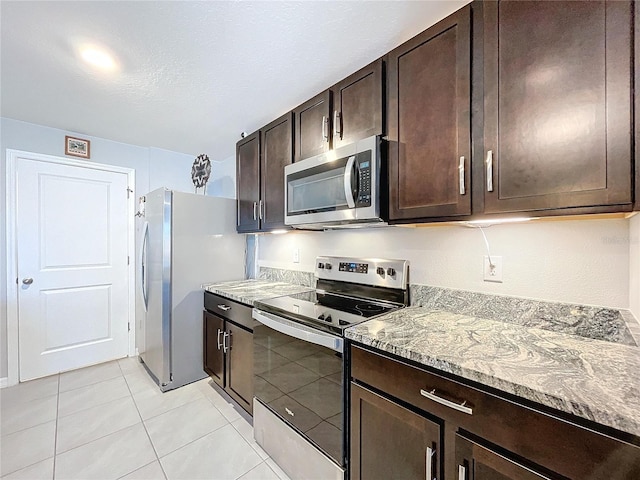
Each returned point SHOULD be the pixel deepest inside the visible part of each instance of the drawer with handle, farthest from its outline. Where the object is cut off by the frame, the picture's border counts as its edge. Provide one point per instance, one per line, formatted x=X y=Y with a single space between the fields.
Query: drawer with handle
x=229 y=309
x=539 y=436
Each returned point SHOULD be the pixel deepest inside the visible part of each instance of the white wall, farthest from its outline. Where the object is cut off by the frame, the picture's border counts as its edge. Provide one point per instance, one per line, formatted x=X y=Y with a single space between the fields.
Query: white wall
x=581 y=261
x=634 y=265
x=153 y=168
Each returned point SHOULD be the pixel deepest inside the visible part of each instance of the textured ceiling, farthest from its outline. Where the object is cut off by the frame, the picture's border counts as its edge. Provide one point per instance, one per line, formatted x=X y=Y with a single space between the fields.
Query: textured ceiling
x=192 y=75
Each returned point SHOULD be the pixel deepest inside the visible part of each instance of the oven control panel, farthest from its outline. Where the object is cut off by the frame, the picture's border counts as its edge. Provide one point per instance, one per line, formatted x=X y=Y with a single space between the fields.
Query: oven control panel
x=354 y=267
x=366 y=271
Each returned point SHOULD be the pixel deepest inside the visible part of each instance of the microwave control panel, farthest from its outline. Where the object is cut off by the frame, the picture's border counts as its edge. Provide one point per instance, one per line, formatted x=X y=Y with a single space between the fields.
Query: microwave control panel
x=364 y=179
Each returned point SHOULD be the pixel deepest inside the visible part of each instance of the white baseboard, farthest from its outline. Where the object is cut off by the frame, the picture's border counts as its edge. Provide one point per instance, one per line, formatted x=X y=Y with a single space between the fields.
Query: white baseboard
x=4 y=382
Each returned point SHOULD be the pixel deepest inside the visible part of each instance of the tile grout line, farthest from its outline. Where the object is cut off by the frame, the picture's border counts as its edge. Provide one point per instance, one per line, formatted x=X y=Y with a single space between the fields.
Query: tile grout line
x=143 y=425
x=37 y=424
x=92 y=383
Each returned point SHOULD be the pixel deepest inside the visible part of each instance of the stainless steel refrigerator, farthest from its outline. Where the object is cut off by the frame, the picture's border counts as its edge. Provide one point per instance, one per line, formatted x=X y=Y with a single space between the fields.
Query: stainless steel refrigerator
x=187 y=240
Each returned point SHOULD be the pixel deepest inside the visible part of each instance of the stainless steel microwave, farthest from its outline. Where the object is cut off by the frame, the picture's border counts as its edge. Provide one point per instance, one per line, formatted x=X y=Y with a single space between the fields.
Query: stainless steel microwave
x=337 y=188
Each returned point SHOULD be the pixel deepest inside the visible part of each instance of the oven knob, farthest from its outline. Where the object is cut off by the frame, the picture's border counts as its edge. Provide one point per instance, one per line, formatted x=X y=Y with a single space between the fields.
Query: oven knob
x=327 y=266
x=380 y=271
x=391 y=271
x=343 y=322
x=321 y=316
x=321 y=265
x=327 y=318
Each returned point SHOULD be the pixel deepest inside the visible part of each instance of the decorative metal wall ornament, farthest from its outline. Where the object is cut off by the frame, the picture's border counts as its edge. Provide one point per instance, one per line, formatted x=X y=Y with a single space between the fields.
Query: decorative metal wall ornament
x=200 y=172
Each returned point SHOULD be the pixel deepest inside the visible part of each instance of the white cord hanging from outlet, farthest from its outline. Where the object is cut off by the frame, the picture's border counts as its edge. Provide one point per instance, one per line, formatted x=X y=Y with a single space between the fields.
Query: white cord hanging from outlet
x=492 y=266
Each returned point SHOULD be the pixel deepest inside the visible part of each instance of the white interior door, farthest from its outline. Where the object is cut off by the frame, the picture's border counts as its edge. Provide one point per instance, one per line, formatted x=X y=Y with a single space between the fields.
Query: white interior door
x=72 y=265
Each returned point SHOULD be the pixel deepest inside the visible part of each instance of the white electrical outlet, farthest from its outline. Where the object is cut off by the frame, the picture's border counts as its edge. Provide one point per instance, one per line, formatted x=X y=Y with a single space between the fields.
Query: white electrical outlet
x=493 y=270
x=296 y=255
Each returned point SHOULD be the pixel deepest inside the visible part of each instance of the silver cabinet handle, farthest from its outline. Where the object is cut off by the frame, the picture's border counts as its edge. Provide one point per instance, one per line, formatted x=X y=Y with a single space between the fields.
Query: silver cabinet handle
x=27 y=281
x=325 y=129
x=225 y=347
x=219 y=342
x=489 y=163
x=461 y=407
x=429 y=463
x=261 y=210
x=462 y=472
x=224 y=307
x=461 y=175
x=255 y=206
x=337 y=128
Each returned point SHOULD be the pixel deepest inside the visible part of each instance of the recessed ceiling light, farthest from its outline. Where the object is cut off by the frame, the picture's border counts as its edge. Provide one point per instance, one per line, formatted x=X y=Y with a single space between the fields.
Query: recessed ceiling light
x=98 y=58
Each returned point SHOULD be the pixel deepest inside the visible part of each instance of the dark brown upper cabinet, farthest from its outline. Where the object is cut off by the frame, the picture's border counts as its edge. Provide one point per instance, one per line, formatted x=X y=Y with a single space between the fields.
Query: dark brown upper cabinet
x=557 y=105
x=248 y=182
x=313 y=126
x=357 y=105
x=260 y=161
x=428 y=119
x=276 y=153
x=349 y=111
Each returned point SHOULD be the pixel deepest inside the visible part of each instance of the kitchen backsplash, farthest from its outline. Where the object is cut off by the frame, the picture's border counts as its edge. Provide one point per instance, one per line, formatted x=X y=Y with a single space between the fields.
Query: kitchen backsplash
x=306 y=279
x=600 y=323
x=609 y=324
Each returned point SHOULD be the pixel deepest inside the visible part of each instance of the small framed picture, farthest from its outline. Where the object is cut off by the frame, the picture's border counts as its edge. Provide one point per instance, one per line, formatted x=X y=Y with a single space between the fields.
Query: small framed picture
x=77 y=147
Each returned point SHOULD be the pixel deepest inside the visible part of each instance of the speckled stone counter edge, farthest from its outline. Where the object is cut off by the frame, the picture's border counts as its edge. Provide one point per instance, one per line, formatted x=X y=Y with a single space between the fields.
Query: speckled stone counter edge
x=405 y=337
x=600 y=323
x=251 y=290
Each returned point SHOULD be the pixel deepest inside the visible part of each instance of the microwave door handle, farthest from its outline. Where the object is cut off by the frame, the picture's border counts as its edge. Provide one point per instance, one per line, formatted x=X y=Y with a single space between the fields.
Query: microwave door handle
x=348 y=175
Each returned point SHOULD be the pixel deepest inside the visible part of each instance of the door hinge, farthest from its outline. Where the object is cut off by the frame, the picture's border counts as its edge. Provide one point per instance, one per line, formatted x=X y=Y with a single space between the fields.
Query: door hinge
x=129 y=191
x=128 y=326
x=128 y=260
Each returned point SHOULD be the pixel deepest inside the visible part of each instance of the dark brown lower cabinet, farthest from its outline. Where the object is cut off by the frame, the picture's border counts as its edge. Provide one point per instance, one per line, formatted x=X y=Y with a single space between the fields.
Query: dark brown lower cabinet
x=228 y=347
x=476 y=462
x=393 y=441
x=239 y=365
x=399 y=411
x=213 y=354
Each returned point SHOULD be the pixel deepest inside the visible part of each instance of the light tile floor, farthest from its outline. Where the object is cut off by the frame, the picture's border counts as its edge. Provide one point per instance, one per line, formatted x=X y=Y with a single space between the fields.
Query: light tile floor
x=111 y=421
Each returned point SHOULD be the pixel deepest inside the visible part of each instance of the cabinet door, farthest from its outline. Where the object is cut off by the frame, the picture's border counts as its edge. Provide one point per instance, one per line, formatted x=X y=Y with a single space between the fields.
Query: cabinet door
x=428 y=115
x=357 y=106
x=475 y=462
x=248 y=182
x=277 y=152
x=213 y=355
x=557 y=104
x=239 y=344
x=313 y=126
x=390 y=441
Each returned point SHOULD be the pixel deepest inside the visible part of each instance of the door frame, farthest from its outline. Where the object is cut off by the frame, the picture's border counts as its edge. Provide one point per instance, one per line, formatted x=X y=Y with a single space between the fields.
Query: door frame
x=13 y=365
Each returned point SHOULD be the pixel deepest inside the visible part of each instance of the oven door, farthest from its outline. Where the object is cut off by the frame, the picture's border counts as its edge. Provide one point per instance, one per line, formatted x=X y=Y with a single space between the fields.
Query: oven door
x=298 y=375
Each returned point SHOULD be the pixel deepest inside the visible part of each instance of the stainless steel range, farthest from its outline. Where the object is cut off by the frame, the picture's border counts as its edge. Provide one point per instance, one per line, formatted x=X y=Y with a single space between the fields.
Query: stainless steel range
x=299 y=361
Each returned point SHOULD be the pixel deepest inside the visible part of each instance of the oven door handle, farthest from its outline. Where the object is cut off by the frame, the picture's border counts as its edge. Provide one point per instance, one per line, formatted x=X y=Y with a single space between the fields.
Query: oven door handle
x=299 y=331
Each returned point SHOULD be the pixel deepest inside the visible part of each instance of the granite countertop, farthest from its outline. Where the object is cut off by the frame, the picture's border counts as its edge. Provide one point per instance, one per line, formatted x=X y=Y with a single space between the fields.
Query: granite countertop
x=593 y=379
x=249 y=291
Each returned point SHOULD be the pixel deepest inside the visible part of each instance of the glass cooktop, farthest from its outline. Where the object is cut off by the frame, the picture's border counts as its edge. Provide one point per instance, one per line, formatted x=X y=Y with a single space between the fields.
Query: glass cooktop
x=328 y=312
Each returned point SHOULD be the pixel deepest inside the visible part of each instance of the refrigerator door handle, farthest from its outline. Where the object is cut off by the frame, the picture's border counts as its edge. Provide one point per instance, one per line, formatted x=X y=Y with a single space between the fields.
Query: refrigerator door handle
x=143 y=266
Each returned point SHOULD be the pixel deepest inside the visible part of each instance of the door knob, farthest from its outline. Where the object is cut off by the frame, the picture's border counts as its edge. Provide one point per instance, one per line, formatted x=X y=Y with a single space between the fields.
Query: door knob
x=27 y=281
